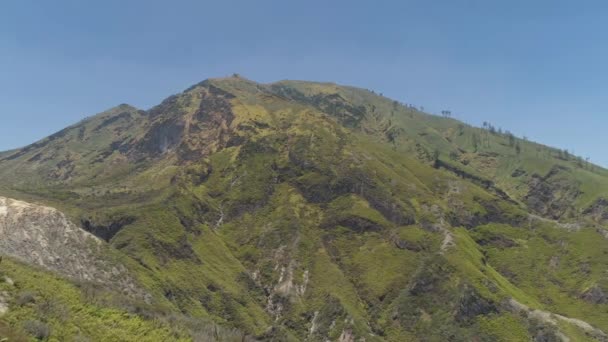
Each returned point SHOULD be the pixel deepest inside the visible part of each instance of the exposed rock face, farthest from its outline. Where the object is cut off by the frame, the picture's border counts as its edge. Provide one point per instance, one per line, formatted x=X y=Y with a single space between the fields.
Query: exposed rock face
x=208 y=129
x=472 y=305
x=192 y=134
x=595 y=295
x=598 y=210
x=346 y=336
x=163 y=137
x=518 y=173
x=552 y=195
x=107 y=231
x=498 y=241
x=403 y=244
x=44 y=236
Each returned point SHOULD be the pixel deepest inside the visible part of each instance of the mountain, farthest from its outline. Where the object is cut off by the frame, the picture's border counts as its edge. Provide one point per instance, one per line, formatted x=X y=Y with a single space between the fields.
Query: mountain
x=300 y=211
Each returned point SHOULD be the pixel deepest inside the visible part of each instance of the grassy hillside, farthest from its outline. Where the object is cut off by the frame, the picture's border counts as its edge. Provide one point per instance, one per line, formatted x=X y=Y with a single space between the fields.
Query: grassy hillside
x=43 y=306
x=312 y=211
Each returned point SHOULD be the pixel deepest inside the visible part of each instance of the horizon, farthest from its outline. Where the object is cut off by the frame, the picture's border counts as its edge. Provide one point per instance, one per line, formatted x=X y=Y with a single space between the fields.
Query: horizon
x=533 y=69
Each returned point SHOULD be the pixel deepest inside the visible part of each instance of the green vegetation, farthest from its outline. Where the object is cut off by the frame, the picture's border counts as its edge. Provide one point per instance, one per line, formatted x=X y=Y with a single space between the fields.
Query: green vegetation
x=50 y=308
x=310 y=211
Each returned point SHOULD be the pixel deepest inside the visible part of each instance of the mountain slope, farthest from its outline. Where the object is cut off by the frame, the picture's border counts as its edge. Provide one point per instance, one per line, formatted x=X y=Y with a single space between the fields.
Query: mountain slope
x=312 y=211
x=67 y=250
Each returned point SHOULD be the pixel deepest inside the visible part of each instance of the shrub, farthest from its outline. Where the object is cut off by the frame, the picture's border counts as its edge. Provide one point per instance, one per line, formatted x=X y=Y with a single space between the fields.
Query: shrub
x=37 y=329
x=50 y=307
x=81 y=338
x=25 y=297
x=10 y=334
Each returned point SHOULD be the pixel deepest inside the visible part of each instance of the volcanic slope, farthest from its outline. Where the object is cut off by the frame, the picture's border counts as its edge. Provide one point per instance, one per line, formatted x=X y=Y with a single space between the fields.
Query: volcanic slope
x=312 y=211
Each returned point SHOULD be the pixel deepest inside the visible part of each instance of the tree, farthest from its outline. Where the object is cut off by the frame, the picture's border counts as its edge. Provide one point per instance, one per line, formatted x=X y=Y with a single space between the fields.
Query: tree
x=436 y=158
x=475 y=142
x=511 y=138
x=393 y=132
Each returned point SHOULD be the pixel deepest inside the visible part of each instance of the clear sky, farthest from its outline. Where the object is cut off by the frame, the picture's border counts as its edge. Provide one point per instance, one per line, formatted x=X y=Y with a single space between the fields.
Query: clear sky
x=537 y=68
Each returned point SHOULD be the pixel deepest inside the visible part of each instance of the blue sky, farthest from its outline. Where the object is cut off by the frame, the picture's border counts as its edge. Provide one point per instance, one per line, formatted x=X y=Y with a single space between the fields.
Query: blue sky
x=537 y=68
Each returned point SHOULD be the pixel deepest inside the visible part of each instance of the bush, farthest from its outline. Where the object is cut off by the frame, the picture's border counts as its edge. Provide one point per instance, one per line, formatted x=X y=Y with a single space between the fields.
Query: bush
x=10 y=334
x=50 y=307
x=37 y=329
x=25 y=297
x=81 y=338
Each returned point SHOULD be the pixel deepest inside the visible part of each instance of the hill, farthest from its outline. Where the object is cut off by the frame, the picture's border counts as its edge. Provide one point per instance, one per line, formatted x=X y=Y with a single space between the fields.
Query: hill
x=313 y=211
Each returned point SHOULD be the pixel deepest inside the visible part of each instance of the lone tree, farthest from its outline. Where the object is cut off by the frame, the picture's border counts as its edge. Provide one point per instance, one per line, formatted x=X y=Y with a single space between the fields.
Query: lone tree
x=511 y=138
x=491 y=128
x=460 y=129
x=475 y=142
x=436 y=158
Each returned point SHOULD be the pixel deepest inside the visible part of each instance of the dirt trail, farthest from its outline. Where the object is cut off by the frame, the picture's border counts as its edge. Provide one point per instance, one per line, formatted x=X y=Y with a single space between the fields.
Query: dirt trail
x=568 y=226
x=552 y=319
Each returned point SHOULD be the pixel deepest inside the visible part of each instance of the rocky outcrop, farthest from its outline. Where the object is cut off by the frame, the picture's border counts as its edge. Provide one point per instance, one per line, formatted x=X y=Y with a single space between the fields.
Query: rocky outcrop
x=106 y=231
x=44 y=236
x=177 y=127
x=552 y=196
x=598 y=211
x=478 y=180
x=498 y=241
x=404 y=244
x=471 y=305
x=209 y=128
x=595 y=295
